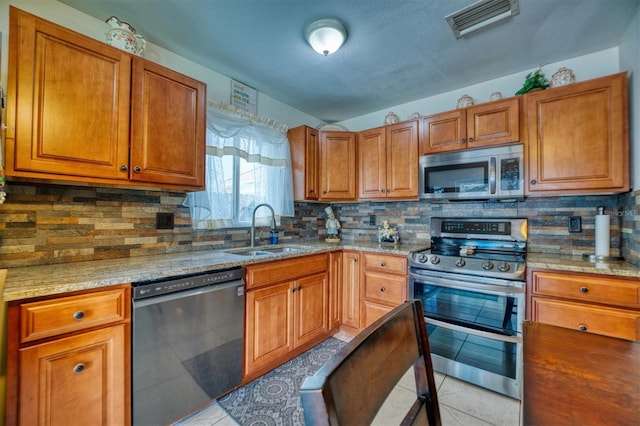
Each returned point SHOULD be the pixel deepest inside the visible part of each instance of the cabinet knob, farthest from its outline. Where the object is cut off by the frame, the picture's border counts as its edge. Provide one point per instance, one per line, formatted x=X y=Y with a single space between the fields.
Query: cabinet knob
x=533 y=181
x=355 y=259
x=382 y=289
x=381 y=190
x=78 y=315
x=462 y=141
x=137 y=169
x=78 y=368
x=582 y=327
x=383 y=264
x=584 y=289
x=124 y=168
x=310 y=191
x=470 y=140
x=293 y=290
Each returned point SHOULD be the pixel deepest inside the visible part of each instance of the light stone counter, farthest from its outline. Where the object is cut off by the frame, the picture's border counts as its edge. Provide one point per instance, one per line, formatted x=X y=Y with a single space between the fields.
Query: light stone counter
x=578 y=264
x=45 y=280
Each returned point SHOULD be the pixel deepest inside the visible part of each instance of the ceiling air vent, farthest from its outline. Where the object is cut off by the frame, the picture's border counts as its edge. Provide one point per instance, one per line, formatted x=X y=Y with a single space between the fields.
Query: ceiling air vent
x=480 y=14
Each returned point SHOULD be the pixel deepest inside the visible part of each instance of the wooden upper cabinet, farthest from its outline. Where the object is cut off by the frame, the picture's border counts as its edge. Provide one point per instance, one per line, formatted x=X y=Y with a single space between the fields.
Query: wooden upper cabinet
x=388 y=161
x=578 y=138
x=337 y=166
x=305 y=147
x=445 y=131
x=168 y=116
x=69 y=99
x=80 y=110
x=479 y=126
x=493 y=123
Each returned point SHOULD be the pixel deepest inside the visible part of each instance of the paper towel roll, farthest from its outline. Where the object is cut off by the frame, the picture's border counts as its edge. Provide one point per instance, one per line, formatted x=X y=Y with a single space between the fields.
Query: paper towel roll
x=602 y=235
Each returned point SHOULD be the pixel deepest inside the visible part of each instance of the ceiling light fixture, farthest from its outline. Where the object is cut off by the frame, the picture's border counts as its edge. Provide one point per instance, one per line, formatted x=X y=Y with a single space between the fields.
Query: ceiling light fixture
x=326 y=35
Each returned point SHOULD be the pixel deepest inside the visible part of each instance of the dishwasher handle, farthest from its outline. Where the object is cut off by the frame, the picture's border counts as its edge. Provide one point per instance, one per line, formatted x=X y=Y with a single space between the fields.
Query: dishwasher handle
x=139 y=303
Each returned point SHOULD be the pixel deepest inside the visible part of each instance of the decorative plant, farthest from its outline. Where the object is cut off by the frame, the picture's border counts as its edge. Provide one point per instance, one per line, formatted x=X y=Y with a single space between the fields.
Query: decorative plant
x=534 y=80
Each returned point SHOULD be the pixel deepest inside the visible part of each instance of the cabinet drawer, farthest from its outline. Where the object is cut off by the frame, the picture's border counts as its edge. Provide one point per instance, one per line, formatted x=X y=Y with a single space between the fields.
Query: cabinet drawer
x=385 y=288
x=283 y=270
x=593 y=319
x=592 y=288
x=374 y=311
x=390 y=264
x=66 y=314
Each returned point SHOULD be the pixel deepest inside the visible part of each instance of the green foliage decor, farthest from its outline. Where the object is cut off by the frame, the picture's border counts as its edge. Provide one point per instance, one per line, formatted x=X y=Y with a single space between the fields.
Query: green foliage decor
x=534 y=80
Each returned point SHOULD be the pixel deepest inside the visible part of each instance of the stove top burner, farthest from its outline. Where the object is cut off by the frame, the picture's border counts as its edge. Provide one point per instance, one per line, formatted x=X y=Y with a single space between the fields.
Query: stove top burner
x=486 y=255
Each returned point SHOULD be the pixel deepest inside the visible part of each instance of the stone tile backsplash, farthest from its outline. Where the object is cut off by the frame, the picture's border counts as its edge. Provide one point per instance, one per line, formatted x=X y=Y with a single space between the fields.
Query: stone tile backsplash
x=44 y=224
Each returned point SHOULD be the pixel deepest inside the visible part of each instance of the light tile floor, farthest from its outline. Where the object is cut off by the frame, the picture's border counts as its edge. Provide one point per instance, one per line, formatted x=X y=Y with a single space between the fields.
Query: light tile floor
x=461 y=403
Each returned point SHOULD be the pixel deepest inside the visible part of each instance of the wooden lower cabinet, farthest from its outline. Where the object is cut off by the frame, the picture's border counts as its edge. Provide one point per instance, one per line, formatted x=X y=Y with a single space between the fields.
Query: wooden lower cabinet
x=384 y=285
x=351 y=289
x=75 y=379
x=78 y=371
x=284 y=316
x=335 y=290
x=590 y=303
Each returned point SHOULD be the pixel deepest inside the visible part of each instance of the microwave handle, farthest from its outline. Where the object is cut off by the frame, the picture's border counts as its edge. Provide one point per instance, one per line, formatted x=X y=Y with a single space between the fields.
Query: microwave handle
x=492 y=175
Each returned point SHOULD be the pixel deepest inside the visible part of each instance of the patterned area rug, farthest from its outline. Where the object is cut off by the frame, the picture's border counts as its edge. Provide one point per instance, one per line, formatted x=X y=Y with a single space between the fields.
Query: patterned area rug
x=274 y=399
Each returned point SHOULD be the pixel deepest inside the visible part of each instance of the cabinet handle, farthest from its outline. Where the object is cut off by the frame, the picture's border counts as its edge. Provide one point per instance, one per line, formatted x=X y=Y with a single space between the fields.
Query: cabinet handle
x=124 y=168
x=582 y=327
x=382 y=289
x=533 y=181
x=137 y=169
x=584 y=289
x=78 y=315
x=470 y=140
x=78 y=368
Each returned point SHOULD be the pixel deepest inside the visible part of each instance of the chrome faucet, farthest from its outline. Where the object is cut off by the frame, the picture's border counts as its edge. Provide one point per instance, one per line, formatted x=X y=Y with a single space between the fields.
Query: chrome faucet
x=253 y=221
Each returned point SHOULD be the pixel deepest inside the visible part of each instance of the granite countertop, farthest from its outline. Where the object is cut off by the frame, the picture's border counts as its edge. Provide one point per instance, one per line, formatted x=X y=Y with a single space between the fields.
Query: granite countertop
x=578 y=264
x=45 y=280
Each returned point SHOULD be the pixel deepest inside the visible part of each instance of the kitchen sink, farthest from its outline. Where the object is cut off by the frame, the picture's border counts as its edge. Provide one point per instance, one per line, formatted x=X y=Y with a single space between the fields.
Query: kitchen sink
x=264 y=251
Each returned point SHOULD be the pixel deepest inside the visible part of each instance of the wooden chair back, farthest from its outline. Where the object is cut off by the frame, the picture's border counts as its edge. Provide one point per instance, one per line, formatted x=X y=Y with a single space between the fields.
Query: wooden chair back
x=352 y=386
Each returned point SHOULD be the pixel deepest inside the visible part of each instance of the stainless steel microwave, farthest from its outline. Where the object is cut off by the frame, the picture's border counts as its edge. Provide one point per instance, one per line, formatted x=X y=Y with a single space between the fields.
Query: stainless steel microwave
x=479 y=174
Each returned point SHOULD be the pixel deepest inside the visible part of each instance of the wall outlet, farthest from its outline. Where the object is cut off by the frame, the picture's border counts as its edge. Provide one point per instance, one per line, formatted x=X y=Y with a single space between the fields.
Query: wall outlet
x=164 y=221
x=372 y=219
x=575 y=224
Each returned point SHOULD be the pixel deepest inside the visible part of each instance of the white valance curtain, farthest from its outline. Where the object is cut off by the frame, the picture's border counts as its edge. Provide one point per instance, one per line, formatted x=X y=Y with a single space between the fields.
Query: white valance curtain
x=231 y=134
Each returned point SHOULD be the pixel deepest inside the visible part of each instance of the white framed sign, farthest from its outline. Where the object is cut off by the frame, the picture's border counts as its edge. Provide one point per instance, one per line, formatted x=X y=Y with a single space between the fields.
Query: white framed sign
x=245 y=97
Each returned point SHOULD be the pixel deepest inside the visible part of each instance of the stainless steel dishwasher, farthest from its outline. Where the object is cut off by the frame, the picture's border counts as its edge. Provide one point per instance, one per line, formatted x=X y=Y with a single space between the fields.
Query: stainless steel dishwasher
x=186 y=343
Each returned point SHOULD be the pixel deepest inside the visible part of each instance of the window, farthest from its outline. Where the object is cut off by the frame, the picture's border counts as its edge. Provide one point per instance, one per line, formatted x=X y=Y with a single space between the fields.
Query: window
x=247 y=164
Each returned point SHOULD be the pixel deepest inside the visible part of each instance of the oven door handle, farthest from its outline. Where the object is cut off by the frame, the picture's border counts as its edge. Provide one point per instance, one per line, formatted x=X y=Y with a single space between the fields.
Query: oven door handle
x=481 y=288
x=480 y=333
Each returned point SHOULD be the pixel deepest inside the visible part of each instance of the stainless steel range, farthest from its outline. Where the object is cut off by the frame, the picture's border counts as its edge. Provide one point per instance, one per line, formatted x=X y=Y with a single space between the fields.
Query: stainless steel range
x=472 y=286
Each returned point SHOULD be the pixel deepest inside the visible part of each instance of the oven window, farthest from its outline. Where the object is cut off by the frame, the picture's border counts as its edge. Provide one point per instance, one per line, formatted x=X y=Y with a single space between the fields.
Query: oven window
x=460 y=178
x=467 y=308
x=486 y=354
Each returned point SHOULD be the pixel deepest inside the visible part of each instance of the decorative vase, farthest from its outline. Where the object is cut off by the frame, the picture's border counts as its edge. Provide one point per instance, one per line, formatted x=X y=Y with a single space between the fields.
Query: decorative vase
x=123 y=36
x=391 y=118
x=562 y=77
x=464 y=101
x=495 y=96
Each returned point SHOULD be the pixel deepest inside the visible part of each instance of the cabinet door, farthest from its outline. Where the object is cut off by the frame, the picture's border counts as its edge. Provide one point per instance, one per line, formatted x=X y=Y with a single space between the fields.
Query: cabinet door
x=75 y=380
x=268 y=327
x=402 y=160
x=337 y=166
x=578 y=138
x=305 y=148
x=311 y=308
x=493 y=123
x=446 y=131
x=68 y=103
x=351 y=289
x=168 y=126
x=372 y=159
x=335 y=290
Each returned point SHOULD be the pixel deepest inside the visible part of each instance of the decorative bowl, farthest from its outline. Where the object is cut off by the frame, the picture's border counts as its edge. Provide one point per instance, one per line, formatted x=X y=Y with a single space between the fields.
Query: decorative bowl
x=465 y=101
x=562 y=77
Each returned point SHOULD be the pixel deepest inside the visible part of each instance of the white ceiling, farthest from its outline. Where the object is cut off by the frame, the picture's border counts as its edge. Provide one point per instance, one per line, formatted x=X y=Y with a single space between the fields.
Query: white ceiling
x=397 y=51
